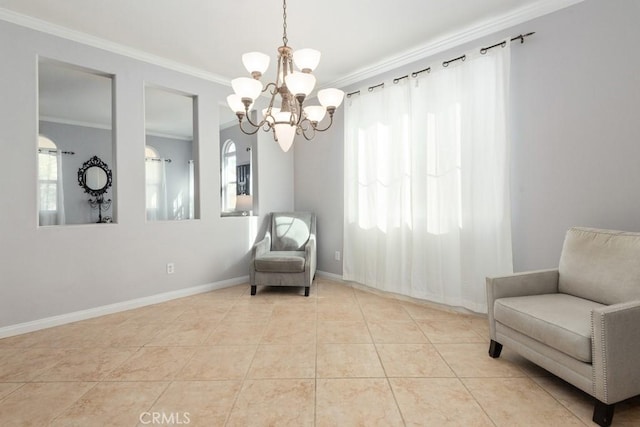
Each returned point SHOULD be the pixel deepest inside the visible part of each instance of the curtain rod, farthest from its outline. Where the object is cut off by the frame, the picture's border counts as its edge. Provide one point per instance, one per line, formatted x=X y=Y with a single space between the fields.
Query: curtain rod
x=155 y=159
x=504 y=43
x=47 y=150
x=445 y=64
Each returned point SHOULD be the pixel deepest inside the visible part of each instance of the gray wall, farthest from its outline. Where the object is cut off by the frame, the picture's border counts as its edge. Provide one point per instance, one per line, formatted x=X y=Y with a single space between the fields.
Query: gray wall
x=575 y=99
x=49 y=271
x=319 y=188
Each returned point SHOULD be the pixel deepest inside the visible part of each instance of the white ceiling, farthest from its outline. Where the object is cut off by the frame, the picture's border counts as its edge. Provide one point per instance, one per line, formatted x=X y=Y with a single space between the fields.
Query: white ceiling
x=358 y=38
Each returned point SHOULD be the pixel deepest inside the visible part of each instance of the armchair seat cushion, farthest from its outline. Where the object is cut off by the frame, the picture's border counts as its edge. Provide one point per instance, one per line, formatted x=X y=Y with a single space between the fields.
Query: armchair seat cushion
x=560 y=321
x=280 y=262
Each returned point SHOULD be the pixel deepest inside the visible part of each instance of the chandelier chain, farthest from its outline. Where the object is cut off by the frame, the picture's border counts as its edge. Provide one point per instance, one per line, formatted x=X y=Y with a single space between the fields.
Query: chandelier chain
x=284 y=22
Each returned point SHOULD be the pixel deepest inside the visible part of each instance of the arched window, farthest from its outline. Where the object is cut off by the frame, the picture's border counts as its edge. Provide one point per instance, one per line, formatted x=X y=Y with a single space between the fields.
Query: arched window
x=50 y=196
x=229 y=180
x=150 y=152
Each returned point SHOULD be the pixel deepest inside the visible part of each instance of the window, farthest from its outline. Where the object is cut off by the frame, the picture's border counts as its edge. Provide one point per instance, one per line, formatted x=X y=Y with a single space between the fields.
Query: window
x=47 y=175
x=426 y=183
x=229 y=180
x=154 y=179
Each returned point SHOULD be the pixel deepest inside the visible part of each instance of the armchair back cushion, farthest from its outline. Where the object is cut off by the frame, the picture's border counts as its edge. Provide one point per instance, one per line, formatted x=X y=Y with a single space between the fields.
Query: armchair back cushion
x=600 y=265
x=290 y=231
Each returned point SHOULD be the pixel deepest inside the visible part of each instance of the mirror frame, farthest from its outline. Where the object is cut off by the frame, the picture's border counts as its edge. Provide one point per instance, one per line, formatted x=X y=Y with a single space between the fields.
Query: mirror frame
x=95 y=161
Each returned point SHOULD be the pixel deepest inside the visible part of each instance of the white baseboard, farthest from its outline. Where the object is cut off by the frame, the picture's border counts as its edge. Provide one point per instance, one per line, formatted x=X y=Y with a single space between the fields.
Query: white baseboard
x=48 y=322
x=331 y=276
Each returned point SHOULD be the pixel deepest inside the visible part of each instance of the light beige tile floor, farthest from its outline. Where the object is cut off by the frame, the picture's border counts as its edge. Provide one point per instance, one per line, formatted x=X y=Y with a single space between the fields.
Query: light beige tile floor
x=341 y=357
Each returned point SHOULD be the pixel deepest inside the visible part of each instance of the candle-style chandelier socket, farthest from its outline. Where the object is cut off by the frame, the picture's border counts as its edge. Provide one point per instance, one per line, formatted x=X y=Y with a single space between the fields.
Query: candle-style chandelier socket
x=293 y=86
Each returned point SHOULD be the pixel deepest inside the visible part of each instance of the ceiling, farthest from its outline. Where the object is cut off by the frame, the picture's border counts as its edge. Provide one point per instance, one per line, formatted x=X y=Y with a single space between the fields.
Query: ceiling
x=358 y=38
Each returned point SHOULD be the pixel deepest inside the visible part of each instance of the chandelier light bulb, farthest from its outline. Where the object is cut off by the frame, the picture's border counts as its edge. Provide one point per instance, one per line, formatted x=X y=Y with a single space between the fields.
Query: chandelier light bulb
x=246 y=87
x=285 y=133
x=306 y=59
x=300 y=83
x=256 y=63
x=330 y=97
x=235 y=103
x=315 y=113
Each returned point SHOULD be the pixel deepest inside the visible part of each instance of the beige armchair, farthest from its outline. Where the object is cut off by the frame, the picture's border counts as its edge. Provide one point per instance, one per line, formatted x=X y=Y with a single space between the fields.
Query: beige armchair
x=581 y=321
x=286 y=255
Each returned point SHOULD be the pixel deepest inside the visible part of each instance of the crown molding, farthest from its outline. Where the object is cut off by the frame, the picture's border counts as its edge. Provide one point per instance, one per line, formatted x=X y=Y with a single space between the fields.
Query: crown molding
x=100 y=43
x=63 y=121
x=175 y=136
x=452 y=40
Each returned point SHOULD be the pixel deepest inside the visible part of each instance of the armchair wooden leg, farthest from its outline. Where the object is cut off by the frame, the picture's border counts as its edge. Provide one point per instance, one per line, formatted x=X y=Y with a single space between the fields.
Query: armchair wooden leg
x=306 y=291
x=603 y=414
x=253 y=290
x=494 y=349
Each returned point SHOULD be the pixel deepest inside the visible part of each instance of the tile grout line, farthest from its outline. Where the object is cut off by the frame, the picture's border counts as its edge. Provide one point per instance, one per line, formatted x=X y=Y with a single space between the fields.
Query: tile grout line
x=384 y=370
x=246 y=374
x=315 y=369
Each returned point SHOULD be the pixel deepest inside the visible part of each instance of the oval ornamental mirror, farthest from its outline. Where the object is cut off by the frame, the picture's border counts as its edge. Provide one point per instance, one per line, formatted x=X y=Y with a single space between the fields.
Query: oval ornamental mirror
x=95 y=177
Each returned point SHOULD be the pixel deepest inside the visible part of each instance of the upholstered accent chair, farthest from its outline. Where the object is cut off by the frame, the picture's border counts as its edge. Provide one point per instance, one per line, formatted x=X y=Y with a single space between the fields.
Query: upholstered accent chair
x=580 y=321
x=286 y=255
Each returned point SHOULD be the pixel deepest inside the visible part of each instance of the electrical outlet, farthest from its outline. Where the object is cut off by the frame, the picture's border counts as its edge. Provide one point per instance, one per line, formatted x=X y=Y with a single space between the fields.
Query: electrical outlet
x=171 y=268
x=337 y=256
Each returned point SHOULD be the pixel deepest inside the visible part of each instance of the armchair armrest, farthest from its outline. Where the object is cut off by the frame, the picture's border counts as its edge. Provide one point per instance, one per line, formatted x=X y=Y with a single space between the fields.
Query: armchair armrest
x=520 y=284
x=261 y=247
x=616 y=345
x=310 y=254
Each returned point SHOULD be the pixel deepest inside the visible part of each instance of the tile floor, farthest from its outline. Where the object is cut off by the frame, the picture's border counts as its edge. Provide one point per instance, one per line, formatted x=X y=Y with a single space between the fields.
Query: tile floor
x=342 y=357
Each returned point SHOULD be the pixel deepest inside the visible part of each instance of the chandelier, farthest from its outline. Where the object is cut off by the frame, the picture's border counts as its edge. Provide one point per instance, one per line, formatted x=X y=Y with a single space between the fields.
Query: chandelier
x=291 y=89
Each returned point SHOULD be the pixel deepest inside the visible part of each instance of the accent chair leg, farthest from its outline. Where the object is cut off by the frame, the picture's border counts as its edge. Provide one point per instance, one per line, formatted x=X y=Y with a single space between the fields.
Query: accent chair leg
x=306 y=291
x=603 y=414
x=253 y=290
x=494 y=349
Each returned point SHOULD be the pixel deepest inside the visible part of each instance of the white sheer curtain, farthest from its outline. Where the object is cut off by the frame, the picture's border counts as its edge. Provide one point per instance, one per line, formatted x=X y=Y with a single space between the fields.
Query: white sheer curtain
x=156 y=182
x=427 y=207
x=51 y=191
x=192 y=201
